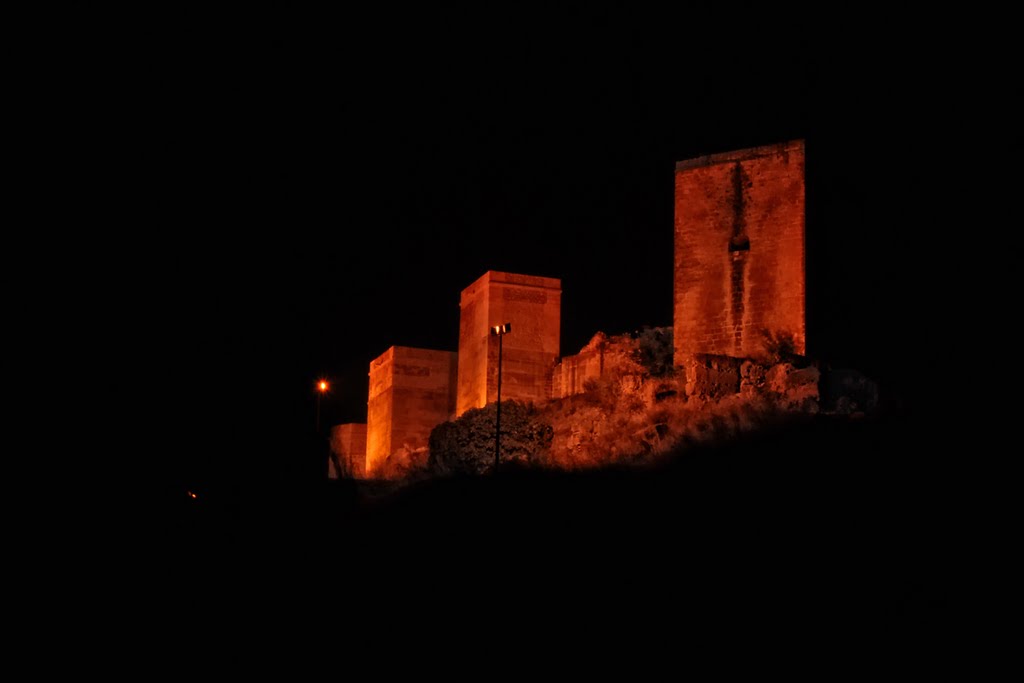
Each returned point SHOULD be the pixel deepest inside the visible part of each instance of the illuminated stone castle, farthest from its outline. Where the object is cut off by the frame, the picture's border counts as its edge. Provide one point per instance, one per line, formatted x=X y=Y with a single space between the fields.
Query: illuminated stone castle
x=739 y=271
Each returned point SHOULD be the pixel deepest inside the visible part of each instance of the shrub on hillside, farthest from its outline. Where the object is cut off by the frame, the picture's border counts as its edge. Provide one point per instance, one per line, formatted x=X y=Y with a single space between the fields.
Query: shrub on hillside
x=655 y=350
x=779 y=346
x=466 y=445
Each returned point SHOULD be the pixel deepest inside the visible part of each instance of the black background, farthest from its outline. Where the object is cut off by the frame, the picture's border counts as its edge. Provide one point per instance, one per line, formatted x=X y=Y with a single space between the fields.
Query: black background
x=259 y=202
x=272 y=200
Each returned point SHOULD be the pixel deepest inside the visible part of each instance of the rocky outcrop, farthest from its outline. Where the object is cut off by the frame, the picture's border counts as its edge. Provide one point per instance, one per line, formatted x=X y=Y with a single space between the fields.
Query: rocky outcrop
x=848 y=392
x=711 y=377
x=792 y=388
x=629 y=415
x=631 y=418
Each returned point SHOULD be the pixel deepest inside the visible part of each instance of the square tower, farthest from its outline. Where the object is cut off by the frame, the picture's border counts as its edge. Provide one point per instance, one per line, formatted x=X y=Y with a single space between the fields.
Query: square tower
x=533 y=306
x=411 y=392
x=739 y=251
x=348 y=444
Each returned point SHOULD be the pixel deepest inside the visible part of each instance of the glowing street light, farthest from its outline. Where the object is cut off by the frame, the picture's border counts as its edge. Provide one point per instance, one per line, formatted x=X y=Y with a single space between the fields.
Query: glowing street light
x=499 y=331
x=321 y=389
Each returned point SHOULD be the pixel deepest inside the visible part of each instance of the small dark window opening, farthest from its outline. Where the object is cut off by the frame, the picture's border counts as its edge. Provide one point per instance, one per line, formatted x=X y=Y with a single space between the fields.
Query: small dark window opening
x=739 y=243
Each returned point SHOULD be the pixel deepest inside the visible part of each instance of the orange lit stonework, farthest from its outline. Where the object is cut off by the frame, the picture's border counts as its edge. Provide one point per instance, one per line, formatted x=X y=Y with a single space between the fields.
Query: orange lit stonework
x=411 y=392
x=348 y=444
x=533 y=305
x=739 y=272
x=739 y=250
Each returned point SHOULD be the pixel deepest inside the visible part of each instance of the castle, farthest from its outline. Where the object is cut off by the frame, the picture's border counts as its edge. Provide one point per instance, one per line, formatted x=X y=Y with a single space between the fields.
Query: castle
x=738 y=271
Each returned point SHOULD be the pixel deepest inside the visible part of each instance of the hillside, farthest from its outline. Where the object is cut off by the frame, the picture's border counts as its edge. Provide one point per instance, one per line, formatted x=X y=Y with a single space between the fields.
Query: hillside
x=823 y=520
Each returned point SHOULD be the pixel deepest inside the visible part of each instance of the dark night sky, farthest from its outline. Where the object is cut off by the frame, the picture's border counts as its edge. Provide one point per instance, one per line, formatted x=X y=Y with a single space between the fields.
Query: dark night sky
x=302 y=201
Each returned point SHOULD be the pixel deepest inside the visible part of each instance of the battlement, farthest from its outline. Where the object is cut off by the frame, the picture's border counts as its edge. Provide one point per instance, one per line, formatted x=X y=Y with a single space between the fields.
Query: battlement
x=765 y=151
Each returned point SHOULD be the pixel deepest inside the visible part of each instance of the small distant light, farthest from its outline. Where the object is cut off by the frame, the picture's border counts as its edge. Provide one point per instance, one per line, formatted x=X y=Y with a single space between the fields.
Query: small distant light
x=322 y=385
x=191 y=494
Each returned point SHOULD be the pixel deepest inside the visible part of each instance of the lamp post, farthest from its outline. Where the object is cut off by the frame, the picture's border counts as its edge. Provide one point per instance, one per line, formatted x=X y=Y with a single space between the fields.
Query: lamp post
x=499 y=331
x=321 y=389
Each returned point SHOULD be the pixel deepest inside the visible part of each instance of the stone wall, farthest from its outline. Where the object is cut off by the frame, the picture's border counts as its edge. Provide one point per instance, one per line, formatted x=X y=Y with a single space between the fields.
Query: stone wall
x=411 y=392
x=572 y=372
x=601 y=357
x=790 y=387
x=711 y=377
x=533 y=306
x=739 y=251
x=348 y=444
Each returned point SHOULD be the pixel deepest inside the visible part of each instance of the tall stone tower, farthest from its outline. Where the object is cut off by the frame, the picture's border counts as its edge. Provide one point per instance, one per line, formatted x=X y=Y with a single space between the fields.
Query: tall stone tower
x=411 y=392
x=739 y=250
x=533 y=305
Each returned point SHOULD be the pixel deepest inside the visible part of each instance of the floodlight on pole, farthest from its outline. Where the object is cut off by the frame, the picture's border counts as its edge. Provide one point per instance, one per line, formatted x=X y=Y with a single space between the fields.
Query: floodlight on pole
x=499 y=331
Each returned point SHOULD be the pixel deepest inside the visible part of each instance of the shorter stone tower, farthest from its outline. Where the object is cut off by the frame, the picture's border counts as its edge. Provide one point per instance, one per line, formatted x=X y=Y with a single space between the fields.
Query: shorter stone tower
x=533 y=306
x=411 y=392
